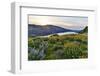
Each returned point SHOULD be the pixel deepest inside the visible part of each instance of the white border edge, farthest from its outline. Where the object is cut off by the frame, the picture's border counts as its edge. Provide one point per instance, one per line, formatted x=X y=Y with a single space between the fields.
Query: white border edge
x=15 y=38
x=12 y=37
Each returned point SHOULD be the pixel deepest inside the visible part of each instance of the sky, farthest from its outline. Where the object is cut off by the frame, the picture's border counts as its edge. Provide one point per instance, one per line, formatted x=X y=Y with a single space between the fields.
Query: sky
x=71 y=22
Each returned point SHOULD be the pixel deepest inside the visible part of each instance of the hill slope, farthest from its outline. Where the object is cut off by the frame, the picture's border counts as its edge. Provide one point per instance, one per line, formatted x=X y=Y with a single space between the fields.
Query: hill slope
x=38 y=30
x=85 y=30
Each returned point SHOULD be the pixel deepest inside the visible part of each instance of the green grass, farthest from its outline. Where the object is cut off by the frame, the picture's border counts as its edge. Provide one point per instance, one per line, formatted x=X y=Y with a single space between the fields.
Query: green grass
x=58 y=47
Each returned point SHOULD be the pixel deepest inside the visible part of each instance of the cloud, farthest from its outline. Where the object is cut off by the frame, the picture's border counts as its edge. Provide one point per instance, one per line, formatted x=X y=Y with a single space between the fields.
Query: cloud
x=65 y=22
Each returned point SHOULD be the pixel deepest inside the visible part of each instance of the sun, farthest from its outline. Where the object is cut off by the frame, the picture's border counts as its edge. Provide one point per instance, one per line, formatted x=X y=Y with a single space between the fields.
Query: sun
x=44 y=21
x=40 y=20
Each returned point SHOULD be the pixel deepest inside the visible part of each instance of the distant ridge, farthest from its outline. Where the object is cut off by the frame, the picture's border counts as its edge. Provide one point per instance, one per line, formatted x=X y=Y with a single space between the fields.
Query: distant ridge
x=85 y=30
x=38 y=30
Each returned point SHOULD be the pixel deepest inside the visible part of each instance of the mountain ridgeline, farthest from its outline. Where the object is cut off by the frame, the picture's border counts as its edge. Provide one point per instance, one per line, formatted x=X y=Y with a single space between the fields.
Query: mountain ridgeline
x=38 y=30
x=85 y=30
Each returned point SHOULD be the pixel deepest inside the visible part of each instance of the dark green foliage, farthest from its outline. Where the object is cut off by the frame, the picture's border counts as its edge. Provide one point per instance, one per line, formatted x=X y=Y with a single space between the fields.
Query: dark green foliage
x=54 y=35
x=58 y=47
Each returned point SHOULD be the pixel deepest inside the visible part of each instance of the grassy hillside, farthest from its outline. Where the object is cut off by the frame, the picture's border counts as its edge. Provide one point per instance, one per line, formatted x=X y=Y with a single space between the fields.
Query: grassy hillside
x=58 y=47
